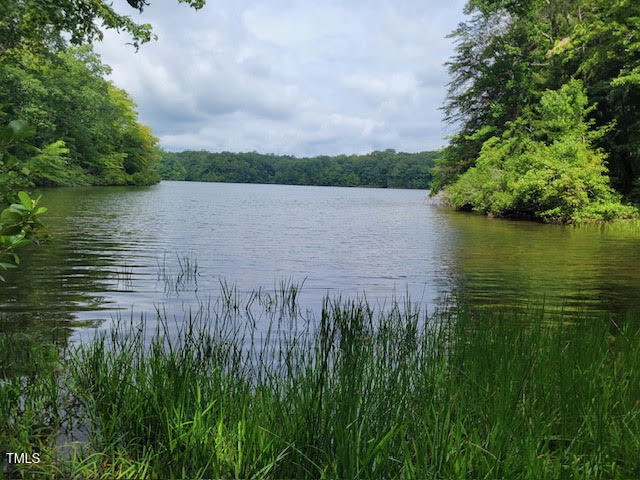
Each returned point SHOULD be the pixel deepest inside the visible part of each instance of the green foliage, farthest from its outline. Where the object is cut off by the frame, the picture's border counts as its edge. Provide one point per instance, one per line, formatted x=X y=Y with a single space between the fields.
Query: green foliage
x=84 y=129
x=38 y=24
x=170 y=167
x=355 y=393
x=12 y=174
x=492 y=79
x=544 y=166
x=606 y=54
x=18 y=226
x=388 y=169
x=46 y=166
x=50 y=166
x=509 y=53
x=19 y=221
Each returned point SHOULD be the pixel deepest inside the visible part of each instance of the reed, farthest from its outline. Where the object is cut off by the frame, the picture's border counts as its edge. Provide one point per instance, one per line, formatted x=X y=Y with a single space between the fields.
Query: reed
x=183 y=275
x=356 y=392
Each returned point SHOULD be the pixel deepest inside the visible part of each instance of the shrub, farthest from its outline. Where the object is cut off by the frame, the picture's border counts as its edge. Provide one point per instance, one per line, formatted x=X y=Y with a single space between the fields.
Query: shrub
x=544 y=167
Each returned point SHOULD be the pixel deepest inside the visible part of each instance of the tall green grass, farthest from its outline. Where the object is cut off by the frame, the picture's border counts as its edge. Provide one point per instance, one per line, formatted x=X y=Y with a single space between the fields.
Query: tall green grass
x=354 y=393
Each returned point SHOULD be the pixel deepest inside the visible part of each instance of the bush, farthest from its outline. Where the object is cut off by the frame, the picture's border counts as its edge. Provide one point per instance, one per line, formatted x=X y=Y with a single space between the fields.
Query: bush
x=544 y=167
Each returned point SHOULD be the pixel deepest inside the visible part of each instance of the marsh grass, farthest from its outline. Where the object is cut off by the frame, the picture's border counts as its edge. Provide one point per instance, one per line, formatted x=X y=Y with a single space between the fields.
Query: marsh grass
x=123 y=277
x=182 y=276
x=354 y=393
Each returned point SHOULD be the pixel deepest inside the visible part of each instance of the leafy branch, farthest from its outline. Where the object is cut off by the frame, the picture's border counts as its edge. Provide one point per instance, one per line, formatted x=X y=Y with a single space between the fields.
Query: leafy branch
x=18 y=225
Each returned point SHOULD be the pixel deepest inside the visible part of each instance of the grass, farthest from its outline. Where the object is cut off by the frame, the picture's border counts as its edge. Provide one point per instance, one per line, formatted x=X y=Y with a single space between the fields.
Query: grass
x=183 y=276
x=257 y=389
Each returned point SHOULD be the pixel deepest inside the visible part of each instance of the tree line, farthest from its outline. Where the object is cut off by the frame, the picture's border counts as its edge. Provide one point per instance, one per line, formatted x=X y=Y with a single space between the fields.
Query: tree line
x=546 y=98
x=385 y=169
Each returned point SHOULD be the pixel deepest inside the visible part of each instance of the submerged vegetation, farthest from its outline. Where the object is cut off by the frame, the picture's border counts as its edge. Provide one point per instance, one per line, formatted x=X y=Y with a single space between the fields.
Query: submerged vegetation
x=251 y=387
x=388 y=169
x=545 y=95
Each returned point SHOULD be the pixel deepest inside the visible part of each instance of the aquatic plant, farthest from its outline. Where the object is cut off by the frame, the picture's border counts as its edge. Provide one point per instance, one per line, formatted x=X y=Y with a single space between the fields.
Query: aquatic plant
x=353 y=393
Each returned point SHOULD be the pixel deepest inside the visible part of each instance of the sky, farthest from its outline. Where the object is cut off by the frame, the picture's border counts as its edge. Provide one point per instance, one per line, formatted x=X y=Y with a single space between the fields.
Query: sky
x=290 y=77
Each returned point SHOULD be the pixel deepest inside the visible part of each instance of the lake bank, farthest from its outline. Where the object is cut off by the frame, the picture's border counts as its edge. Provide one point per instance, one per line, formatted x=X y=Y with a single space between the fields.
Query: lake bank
x=139 y=356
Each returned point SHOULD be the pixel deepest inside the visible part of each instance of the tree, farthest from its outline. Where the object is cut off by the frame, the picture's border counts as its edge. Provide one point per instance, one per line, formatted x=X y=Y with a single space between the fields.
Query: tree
x=511 y=52
x=37 y=24
x=544 y=166
x=376 y=169
x=604 y=50
x=491 y=79
x=86 y=130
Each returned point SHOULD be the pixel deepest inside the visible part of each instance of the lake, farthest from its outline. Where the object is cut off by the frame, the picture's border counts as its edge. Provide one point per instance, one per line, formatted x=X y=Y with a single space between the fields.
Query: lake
x=119 y=250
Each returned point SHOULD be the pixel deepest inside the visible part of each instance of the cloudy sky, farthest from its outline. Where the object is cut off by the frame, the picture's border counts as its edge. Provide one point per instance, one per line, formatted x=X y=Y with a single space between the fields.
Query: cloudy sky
x=298 y=77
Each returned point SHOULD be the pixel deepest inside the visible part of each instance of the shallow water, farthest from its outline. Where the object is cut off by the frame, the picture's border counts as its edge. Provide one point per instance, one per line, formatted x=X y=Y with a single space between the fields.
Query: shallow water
x=120 y=251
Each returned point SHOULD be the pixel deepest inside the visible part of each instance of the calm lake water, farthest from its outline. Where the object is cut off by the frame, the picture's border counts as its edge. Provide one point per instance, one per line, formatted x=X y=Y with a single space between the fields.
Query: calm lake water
x=112 y=251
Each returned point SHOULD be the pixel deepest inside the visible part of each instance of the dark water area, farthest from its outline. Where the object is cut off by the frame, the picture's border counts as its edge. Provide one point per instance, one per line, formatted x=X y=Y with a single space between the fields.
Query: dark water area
x=126 y=251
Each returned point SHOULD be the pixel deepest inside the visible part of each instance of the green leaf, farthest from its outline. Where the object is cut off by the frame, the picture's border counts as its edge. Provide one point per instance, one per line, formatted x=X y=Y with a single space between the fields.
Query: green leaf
x=25 y=199
x=11 y=230
x=16 y=207
x=10 y=216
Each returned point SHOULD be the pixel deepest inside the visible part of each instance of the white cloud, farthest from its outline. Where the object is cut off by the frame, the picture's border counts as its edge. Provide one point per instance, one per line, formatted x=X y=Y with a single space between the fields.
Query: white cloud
x=297 y=77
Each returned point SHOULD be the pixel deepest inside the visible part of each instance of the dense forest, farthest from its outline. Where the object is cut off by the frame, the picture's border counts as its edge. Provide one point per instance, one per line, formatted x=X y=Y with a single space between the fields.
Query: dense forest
x=377 y=169
x=78 y=127
x=61 y=121
x=546 y=95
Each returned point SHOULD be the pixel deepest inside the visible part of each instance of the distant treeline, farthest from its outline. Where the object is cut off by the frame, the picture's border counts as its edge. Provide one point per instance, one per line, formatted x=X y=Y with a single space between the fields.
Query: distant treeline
x=377 y=169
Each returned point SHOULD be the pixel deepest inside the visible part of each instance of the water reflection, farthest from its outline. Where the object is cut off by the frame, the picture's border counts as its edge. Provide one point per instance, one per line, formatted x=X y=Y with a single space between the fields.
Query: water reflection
x=123 y=250
x=577 y=268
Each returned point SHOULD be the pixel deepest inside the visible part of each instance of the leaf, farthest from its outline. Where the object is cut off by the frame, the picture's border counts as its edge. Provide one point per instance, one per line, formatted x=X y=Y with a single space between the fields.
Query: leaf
x=15 y=131
x=16 y=207
x=375 y=449
x=21 y=243
x=559 y=47
x=25 y=199
x=11 y=230
x=10 y=216
x=41 y=210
